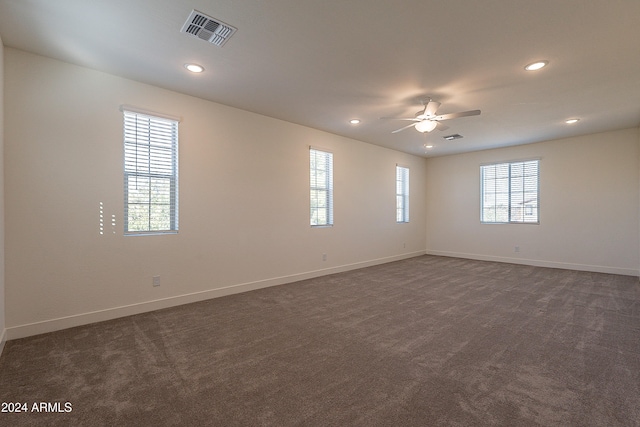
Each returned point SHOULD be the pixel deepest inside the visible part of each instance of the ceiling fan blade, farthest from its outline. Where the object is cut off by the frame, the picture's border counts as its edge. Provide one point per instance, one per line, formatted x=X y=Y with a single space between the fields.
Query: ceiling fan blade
x=400 y=118
x=440 y=126
x=403 y=128
x=456 y=115
x=431 y=108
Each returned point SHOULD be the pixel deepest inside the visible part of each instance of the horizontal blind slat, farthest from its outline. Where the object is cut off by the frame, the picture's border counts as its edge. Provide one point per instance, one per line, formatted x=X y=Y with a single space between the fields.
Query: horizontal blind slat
x=510 y=192
x=150 y=165
x=321 y=187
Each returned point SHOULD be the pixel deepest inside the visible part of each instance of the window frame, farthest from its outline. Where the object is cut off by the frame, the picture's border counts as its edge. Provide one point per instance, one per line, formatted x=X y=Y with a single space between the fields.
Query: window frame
x=161 y=130
x=402 y=194
x=319 y=204
x=508 y=192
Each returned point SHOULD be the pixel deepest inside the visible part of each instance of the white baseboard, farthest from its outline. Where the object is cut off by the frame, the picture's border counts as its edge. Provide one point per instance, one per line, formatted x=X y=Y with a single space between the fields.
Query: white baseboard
x=57 y=324
x=541 y=263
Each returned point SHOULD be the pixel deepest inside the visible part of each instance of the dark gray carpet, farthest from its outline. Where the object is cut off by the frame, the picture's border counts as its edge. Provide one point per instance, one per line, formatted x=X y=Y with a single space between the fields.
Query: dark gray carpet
x=427 y=341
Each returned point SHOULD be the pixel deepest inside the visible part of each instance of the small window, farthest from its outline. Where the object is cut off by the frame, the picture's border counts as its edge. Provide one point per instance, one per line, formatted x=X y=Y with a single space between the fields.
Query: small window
x=150 y=174
x=321 y=187
x=402 y=194
x=510 y=192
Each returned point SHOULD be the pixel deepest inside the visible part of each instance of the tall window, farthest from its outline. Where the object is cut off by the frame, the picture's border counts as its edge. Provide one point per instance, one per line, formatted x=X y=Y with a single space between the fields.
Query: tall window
x=150 y=174
x=321 y=187
x=402 y=194
x=510 y=192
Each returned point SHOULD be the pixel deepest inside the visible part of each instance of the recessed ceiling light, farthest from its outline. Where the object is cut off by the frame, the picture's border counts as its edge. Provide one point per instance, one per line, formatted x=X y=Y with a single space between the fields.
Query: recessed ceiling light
x=571 y=121
x=194 y=68
x=428 y=146
x=354 y=121
x=536 y=65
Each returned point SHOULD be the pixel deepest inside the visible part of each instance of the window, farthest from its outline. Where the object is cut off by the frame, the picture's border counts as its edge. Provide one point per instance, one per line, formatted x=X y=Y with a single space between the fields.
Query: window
x=150 y=174
x=402 y=194
x=321 y=186
x=510 y=192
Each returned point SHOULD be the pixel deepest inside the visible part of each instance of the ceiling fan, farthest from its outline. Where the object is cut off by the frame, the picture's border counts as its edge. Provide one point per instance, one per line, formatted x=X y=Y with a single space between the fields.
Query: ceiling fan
x=426 y=119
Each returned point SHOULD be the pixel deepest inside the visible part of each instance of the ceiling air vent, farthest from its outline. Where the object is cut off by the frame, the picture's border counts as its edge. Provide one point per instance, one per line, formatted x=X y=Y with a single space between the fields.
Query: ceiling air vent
x=452 y=137
x=207 y=28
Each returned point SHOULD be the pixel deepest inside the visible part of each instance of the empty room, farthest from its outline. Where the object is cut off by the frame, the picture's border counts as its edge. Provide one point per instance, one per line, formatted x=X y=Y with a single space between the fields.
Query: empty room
x=329 y=213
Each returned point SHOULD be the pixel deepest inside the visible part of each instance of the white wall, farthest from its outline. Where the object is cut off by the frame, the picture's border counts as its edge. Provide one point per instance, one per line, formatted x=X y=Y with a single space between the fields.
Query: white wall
x=589 y=205
x=2 y=303
x=244 y=201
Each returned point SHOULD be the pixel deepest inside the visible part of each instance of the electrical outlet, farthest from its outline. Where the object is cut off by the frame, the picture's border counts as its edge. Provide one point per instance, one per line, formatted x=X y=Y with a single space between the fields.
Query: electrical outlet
x=156 y=281
x=516 y=249
x=324 y=257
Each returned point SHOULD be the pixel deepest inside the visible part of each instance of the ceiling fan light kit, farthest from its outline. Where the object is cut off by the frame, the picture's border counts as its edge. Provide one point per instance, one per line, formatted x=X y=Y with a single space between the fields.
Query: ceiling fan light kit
x=426 y=126
x=426 y=119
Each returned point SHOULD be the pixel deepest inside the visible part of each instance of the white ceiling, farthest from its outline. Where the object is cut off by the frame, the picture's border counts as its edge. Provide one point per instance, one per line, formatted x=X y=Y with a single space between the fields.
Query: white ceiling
x=322 y=63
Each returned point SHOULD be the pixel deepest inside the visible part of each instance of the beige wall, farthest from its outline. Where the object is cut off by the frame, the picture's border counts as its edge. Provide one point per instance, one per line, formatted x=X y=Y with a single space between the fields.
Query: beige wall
x=244 y=201
x=2 y=304
x=589 y=205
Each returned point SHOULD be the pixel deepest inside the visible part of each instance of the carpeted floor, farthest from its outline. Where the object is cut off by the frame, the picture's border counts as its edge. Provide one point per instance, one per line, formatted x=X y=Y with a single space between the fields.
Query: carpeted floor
x=427 y=341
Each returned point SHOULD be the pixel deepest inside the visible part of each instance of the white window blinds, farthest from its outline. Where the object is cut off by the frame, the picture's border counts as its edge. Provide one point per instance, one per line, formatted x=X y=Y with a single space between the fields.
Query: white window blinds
x=510 y=192
x=321 y=187
x=150 y=174
x=402 y=194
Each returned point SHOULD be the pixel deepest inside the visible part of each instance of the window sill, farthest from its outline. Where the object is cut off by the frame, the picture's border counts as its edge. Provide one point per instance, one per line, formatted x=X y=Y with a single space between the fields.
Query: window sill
x=150 y=233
